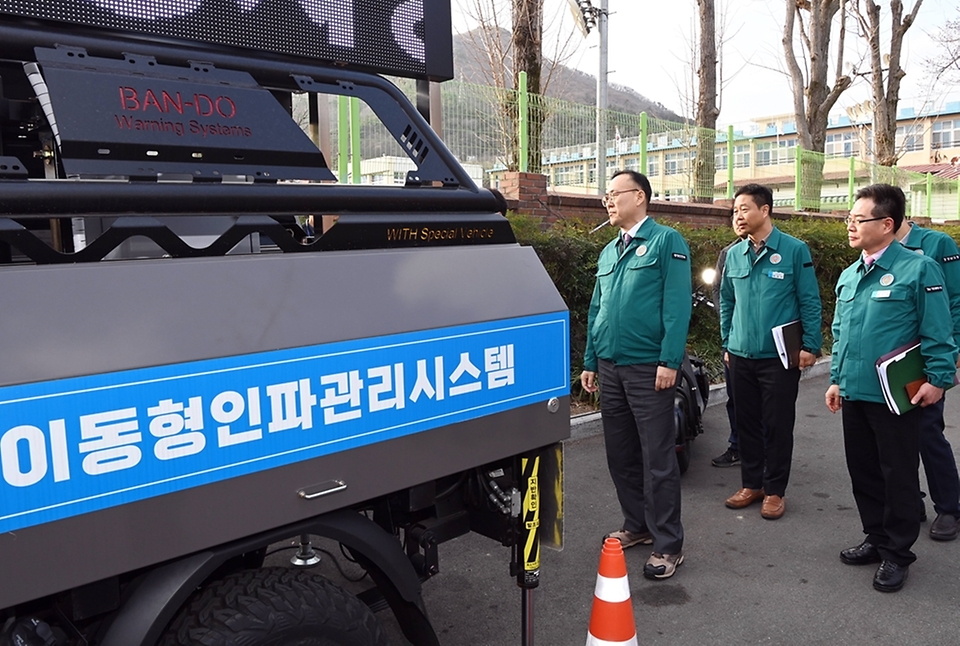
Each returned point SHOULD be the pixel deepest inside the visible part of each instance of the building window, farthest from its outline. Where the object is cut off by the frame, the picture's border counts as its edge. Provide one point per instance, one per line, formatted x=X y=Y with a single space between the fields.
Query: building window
x=653 y=166
x=910 y=137
x=676 y=163
x=842 y=144
x=741 y=156
x=946 y=134
x=577 y=175
x=772 y=153
x=720 y=158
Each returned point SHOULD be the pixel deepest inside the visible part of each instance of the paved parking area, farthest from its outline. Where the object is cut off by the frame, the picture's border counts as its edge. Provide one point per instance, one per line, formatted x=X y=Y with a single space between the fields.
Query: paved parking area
x=744 y=580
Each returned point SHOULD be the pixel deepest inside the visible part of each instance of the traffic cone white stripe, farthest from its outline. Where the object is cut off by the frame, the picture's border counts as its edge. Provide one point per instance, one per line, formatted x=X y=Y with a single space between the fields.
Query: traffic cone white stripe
x=593 y=641
x=612 y=590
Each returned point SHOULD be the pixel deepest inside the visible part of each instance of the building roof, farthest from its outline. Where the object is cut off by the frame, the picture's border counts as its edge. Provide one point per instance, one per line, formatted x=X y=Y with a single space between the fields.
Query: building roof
x=946 y=171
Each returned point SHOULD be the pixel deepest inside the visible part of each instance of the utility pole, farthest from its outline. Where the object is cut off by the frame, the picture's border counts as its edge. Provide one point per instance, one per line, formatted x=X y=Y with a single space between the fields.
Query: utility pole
x=588 y=16
x=602 y=101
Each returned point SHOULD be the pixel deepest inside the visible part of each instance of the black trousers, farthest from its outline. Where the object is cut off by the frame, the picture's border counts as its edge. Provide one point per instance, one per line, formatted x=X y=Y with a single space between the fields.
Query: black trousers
x=765 y=404
x=939 y=463
x=638 y=430
x=883 y=456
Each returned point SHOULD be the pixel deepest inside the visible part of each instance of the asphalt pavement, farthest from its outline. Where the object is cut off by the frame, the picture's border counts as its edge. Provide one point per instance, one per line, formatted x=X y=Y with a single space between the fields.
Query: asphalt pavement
x=744 y=580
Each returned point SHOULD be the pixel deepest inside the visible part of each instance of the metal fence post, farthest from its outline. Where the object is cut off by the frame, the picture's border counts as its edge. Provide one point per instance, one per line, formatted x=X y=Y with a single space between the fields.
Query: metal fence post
x=643 y=143
x=523 y=121
x=355 y=139
x=343 y=138
x=797 y=184
x=929 y=213
x=730 y=158
x=851 y=185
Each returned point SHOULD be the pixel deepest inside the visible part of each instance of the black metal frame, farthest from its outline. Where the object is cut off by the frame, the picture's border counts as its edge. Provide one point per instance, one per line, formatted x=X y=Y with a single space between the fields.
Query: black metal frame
x=260 y=207
x=410 y=129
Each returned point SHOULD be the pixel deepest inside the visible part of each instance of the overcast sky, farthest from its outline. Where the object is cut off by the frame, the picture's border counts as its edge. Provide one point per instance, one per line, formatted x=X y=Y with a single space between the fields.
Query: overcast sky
x=649 y=52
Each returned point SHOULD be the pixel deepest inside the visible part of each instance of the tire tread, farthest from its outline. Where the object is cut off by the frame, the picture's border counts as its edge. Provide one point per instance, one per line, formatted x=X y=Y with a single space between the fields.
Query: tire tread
x=273 y=606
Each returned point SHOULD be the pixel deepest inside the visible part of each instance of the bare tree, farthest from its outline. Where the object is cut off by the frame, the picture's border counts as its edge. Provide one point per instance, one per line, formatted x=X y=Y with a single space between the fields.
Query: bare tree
x=813 y=96
x=493 y=41
x=528 y=57
x=947 y=61
x=707 y=108
x=508 y=52
x=885 y=73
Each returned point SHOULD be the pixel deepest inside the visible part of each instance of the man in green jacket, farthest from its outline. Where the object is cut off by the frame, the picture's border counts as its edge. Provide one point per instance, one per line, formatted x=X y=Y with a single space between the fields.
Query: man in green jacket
x=636 y=335
x=936 y=453
x=885 y=300
x=768 y=281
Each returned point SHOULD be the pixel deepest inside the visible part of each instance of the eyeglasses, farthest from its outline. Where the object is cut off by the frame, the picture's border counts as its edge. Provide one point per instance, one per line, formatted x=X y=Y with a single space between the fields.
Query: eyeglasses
x=609 y=197
x=849 y=220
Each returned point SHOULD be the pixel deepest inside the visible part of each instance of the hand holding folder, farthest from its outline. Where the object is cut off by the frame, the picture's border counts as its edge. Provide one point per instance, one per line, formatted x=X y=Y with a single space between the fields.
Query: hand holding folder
x=901 y=375
x=789 y=340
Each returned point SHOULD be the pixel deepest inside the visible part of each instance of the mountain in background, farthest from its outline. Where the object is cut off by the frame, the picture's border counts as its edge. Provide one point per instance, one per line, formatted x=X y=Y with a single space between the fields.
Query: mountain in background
x=470 y=65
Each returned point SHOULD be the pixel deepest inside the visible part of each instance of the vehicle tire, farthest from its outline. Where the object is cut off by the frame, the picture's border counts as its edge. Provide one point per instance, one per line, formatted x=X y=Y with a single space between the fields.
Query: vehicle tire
x=683 y=444
x=274 y=607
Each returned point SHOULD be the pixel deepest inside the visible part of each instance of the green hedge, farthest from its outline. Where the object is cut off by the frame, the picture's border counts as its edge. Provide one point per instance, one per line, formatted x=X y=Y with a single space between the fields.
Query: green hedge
x=569 y=253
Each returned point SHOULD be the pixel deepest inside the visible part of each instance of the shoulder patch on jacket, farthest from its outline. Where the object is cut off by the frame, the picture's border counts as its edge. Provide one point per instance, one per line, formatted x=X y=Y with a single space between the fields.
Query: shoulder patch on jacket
x=951 y=258
x=808 y=264
x=679 y=256
x=934 y=288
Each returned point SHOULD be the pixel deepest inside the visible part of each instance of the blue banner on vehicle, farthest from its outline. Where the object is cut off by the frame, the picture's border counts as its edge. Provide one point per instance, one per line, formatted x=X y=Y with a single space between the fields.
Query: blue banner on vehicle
x=73 y=446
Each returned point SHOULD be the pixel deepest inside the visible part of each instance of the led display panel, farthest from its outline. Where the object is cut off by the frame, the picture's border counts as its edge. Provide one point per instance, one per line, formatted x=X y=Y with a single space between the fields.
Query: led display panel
x=402 y=37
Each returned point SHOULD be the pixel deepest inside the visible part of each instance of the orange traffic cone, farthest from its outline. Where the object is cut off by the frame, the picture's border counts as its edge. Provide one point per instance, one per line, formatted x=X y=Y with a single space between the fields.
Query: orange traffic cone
x=611 y=620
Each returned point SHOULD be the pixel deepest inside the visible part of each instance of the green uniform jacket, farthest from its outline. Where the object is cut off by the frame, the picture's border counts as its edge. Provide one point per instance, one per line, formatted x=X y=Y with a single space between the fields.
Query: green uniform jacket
x=757 y=295
x=941 y=247
x=640 y=310
x=900 y=298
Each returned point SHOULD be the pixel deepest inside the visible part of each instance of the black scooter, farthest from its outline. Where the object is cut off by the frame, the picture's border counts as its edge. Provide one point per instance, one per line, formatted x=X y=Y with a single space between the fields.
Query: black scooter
x=693 y=389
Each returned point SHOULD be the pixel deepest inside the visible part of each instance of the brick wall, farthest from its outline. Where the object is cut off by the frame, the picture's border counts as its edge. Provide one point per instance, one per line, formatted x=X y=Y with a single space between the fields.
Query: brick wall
x=527 y=193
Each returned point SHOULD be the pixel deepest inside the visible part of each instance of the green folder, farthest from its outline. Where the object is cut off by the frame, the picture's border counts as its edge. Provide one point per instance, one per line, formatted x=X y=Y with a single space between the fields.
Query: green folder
x=896 y=369
x=901 y=374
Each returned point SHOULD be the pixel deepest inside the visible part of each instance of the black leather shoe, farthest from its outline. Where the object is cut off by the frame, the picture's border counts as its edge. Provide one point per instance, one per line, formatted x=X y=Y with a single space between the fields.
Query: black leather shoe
x=945 y=527
x=861 y=554
x=890 y=577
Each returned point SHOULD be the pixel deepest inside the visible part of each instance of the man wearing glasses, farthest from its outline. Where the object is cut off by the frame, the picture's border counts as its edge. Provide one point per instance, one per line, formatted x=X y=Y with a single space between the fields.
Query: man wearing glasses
x=888 y=298
x=636 y=334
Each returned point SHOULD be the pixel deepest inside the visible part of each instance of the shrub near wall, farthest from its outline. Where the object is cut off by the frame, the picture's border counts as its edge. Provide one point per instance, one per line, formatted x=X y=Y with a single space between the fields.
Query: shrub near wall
x=570 y=253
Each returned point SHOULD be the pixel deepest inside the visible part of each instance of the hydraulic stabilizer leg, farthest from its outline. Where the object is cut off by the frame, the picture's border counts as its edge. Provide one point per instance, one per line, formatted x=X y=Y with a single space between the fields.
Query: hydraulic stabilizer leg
x=528 y=576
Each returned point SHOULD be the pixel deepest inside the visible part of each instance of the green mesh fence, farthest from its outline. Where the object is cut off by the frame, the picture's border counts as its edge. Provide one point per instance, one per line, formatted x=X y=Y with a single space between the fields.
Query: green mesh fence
x=568 y=161
x=480 y=125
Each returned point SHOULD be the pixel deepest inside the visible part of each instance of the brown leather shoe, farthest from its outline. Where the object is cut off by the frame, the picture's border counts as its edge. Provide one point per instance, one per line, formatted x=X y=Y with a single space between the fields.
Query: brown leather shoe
x=772 y=508
x=744 y=498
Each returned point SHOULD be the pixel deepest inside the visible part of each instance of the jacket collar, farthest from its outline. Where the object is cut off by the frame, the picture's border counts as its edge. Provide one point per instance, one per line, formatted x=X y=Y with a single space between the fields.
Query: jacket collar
x=772 y=242
x=914 y=237
x=889 y=256
x=645 y=228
